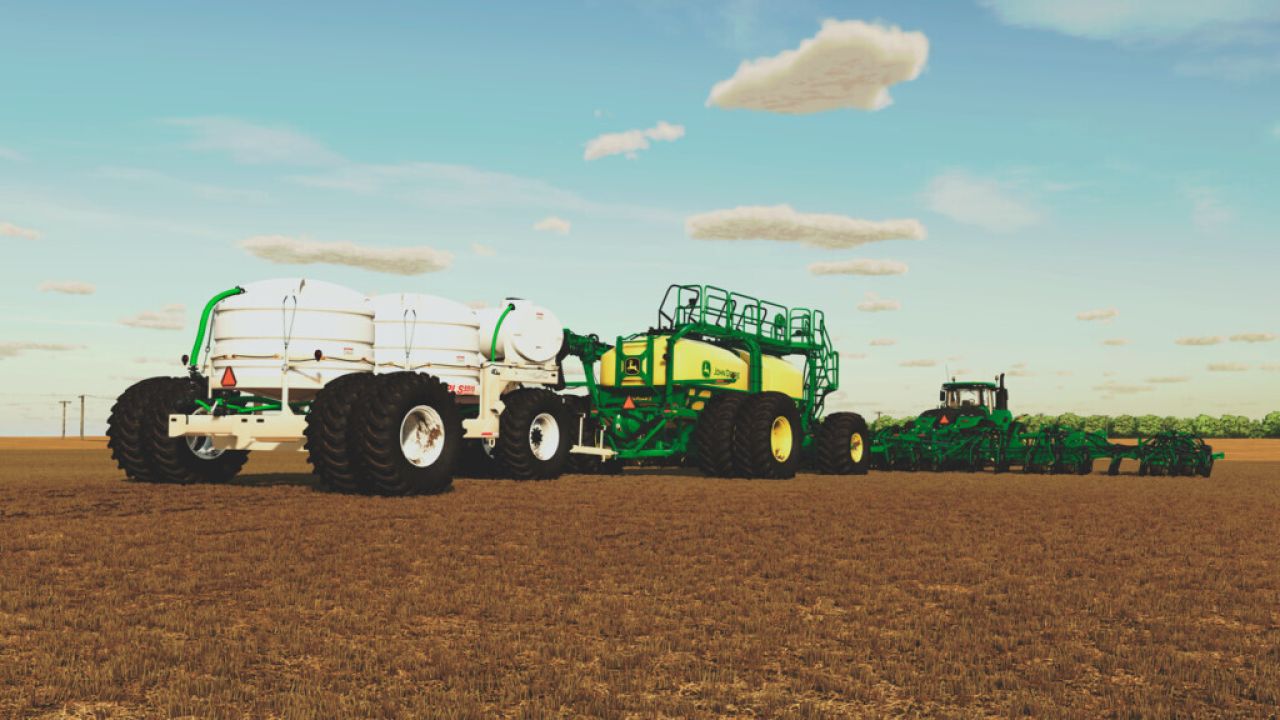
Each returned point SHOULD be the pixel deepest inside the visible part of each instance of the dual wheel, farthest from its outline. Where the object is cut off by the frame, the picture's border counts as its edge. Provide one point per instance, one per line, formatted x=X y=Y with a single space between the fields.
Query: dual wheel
x=760 y=436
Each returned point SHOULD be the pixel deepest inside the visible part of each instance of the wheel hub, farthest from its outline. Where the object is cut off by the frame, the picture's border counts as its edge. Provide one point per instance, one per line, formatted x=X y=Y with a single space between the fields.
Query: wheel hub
x=780 y=439
x=422 y=436
x=544 y=436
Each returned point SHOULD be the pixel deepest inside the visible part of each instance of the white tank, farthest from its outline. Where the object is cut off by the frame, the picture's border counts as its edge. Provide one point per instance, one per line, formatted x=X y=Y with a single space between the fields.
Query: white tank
x=250 y=333
x=428 y=334
x=530 y=334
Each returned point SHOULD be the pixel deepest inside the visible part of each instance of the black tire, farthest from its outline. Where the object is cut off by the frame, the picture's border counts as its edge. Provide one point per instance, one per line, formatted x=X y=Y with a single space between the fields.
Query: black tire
x=333 y=428
x=711 y=442
x=125 y=430
x=143 y=425
x=519 y=448
x=842 y=445
x=383 y=462
x=754 y=454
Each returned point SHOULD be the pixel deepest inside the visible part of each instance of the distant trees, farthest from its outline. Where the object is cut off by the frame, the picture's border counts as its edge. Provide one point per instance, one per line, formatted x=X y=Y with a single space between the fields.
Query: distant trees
x=1129 y=426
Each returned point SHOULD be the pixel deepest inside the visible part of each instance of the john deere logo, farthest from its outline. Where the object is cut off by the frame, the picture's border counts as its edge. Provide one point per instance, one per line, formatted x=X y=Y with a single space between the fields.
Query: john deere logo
x=631 y=367
x=706 y=368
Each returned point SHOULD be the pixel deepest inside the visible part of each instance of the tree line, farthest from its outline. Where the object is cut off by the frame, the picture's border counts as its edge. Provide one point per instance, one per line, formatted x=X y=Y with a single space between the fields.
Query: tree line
x=1132 y=426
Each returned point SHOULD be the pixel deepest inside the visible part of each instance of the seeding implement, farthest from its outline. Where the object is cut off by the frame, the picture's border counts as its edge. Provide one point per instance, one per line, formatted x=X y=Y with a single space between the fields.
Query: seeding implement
x=973 y=430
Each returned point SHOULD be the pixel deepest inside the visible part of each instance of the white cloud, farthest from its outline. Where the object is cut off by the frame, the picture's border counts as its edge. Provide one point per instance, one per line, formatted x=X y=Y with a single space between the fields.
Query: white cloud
x=980 y=202
x=8 y=229
x=303 y=251
x=10 y=349
x=630 y=142
x=1119 y=389
x=1208 y=212
x=1137 y=20
x=1115 y=342
x=1100 y=314
x=1228 y=367
x=848 y=64
x=67 y=287
x=1210 y=340
x=781 y=222
x=1253 y=337
x=483 y=250
x=875 y=303
x=1167 y=379
x=858 y=267
x=554 y=224
x=252 y=144
x=1270 y=367
x=882 y=342
x=918 y=363
x=169 y=317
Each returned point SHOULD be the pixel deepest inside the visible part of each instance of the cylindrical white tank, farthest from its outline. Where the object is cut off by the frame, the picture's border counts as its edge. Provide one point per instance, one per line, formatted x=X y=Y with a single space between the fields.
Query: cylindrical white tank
x=529 y=334
x=428 y=334
x=251 y=331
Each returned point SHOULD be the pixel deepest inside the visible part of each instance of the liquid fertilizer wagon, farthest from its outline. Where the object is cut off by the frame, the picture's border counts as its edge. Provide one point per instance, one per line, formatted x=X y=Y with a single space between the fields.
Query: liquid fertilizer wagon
x=388 y=394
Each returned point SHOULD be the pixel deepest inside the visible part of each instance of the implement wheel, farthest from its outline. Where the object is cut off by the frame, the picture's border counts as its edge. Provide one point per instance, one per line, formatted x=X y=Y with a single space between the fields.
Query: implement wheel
x=712 y=440
x=766 y=438
x=841 y=446
x=410 y=435
x=534 y=436
x=333 y=425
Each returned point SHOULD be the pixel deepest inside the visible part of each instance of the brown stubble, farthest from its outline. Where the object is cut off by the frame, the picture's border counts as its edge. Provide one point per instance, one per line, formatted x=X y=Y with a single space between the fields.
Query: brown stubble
x=647 y=595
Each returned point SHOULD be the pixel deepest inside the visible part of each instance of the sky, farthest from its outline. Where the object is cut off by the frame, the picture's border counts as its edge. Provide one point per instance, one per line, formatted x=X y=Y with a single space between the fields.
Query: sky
x=1080 y=194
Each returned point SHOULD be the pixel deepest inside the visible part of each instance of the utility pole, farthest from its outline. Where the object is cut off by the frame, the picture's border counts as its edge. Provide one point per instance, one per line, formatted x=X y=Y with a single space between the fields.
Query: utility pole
x=82 y=417
x=64 y=404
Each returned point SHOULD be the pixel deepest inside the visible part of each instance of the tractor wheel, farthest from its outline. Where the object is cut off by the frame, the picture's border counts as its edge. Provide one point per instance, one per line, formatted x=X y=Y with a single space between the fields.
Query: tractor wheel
x=841 y=446
x=125 y=433
x=410 y=435
x=712 y=440
x=766 y=437
x=333 y=426
x=144 y=421
x=533 y=435
x=1206 y=464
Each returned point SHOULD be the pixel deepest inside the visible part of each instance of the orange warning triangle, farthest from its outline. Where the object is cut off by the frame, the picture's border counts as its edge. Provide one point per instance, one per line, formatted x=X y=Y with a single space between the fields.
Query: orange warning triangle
x=945 y=421
x=629 y=404
x=228 y=378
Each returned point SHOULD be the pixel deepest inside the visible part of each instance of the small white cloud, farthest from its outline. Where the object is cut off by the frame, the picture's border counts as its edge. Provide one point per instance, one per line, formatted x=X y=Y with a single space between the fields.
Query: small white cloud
x=169 y=317
x=482 y=250
x=302 y=251
x=10 y=349
x=1019 y=370
x=553 y=224
x=980 y=202
x=8 y=229
x=1115 y=342
x=1228 y=367
x=882 y=342
x=67 y=287
x=875 y=303
x=630 y=142
x=1135 y=20
x=1168 y=379
x=252 y=144
x=1208 y=212
x=848 y=64
x=1253 y=337
x=782 y=223
x=1119 y=389
x=1270 y=367
x=858 y=267
x=1199 y=341
x=1063 y=373
x=1100 y=314
x=918 y=363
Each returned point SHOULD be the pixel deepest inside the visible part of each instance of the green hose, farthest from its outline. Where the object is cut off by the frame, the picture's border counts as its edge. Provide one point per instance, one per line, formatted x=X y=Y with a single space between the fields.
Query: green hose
x=493 y=344
x=193 y=359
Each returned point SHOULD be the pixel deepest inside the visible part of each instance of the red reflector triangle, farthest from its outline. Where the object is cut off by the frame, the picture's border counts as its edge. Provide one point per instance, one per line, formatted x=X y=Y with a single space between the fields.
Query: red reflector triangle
x=945 y=421
x=228 y=378
x=628 y=404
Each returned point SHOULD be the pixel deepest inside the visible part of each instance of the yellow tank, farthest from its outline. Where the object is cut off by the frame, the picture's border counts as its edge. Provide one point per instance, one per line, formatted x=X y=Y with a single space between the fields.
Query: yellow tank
x=694 y=361
x=778 y=375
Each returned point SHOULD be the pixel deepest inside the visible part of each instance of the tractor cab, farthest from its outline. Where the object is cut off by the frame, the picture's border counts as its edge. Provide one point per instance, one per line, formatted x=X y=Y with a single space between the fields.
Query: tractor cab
x=974 y=397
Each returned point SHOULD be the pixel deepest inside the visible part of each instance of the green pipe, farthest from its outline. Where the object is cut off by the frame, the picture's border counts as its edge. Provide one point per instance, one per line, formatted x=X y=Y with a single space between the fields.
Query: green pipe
x=493 y=344
x=193 y=359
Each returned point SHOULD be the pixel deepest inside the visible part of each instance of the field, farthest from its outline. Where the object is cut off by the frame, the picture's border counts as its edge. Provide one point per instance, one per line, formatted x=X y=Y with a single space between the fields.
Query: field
x=646 y=595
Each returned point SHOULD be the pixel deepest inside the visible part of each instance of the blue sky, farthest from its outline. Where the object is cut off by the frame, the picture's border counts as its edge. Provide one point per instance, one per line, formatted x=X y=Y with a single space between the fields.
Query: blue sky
x=1064 y=158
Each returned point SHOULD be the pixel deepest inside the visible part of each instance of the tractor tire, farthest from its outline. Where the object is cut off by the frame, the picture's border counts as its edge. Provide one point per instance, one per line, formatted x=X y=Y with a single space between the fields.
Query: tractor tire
x=766 y=437
x=125 y=430
x=533 y=435
x=410 y=435
x=333 y=428
x=143 y=424
x=842 y=445
x=712 y=439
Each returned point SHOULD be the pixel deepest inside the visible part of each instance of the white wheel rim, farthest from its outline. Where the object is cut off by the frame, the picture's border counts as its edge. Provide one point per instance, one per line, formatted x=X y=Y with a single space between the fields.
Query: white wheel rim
x=422 y=436
x=544 y=436
x=202 y=446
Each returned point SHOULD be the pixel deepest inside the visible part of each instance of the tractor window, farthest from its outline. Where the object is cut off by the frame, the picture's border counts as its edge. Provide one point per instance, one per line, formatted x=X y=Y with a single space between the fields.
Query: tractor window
x=969 y=397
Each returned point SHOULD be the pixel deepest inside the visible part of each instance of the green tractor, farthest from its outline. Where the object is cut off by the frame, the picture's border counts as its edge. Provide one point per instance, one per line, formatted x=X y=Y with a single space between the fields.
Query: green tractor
x=729 y=383
x=971 y=429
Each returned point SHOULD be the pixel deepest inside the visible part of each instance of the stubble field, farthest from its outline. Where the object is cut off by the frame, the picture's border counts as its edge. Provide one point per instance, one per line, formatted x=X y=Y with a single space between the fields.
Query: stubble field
x=645 y=595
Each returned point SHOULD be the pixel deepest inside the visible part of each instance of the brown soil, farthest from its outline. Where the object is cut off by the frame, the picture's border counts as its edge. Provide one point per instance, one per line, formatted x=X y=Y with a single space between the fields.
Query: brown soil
x=645 y=595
